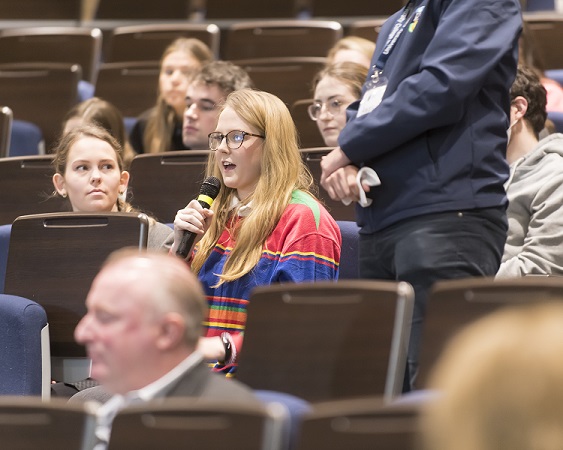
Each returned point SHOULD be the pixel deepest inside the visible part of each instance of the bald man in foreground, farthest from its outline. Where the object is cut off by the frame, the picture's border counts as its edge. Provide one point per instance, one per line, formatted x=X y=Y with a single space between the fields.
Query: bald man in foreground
x=141 y=331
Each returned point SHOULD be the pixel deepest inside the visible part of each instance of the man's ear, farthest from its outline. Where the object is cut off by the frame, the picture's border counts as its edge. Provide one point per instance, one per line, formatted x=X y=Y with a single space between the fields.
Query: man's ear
x=521 y=107
x=172 y=330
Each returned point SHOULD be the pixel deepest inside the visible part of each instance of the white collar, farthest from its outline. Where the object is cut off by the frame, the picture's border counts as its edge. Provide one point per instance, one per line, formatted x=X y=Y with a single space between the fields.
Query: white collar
x=244 y=210
x=152 y=390
x=107 y=412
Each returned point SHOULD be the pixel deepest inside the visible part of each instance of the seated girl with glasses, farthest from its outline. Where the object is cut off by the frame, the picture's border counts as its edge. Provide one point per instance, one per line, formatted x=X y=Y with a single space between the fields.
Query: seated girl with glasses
x=335 y=87
x=264 y=227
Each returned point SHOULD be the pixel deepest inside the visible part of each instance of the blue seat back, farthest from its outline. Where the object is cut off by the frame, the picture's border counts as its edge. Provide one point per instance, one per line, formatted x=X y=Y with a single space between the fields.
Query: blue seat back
x=557 y=119
x=21 y=322
x=295 y=408
x=26 y=139
x=555 y=74
x=85 y=90
x=540 y=5
x=5 y=231
x=129 y=123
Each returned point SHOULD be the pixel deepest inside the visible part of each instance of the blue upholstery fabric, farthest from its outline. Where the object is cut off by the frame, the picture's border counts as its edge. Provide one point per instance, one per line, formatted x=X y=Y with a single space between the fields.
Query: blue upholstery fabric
x=540 y=5
x=555 y=74
x=129 y=123
x=557 y=119
x=5 y=231
x=85 y=90
x=26 y=139
x=296 y=408
x=21 y=322
x=349 y=255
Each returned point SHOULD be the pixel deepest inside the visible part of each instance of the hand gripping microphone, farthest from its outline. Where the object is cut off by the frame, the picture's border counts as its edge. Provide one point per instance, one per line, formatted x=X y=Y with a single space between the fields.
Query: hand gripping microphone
x=209 y=190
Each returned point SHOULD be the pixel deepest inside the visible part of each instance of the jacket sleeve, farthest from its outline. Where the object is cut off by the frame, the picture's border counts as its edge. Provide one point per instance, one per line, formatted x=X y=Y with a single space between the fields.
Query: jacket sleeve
x=470 y=40
x=541 y=253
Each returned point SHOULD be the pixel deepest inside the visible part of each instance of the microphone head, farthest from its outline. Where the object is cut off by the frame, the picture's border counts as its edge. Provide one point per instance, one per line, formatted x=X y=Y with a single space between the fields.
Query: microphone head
x=210 y=187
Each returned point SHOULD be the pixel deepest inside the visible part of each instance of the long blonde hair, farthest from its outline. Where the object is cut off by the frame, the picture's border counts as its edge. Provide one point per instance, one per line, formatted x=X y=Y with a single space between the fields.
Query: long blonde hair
x=162 y=120
x=282 y=172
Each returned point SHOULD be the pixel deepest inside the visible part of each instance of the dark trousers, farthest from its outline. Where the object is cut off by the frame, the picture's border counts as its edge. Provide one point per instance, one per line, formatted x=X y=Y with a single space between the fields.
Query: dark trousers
x=433 y=247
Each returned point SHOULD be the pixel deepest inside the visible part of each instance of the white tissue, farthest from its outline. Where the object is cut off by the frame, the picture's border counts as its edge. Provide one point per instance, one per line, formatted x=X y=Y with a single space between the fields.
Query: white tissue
x=367 y=176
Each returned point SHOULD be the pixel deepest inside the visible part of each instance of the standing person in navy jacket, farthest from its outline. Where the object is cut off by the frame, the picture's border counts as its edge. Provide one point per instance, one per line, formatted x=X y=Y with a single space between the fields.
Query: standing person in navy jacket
x=432 y=123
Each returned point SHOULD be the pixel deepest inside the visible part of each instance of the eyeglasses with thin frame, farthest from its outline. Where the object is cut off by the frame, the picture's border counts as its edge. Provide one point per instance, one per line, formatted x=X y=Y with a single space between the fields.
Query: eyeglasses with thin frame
x=235 y=138
x=332 y=106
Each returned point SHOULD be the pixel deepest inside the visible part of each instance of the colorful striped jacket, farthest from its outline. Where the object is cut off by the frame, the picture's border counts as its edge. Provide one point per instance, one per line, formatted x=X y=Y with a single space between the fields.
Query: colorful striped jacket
x=304 y=246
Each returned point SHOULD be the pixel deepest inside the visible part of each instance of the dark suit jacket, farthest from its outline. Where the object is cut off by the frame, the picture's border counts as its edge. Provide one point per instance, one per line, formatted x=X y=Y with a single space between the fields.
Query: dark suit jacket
x=198 y=382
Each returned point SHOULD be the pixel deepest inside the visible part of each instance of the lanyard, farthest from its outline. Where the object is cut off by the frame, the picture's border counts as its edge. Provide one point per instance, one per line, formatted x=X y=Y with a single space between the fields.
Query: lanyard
x=393 y=37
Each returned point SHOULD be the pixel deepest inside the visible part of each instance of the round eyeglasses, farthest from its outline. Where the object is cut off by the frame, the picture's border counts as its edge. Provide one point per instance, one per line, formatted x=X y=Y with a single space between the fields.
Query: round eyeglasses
x=235 y=138
x=332 y=106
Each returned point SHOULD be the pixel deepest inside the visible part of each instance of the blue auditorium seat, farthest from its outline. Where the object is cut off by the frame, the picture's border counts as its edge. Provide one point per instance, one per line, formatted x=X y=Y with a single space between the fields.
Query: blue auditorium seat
x=555 y=74
x=129 y=124
x=540 y=5
x=85 y=90
x=5 y=231
x=22 y=322
x=295 y=408
x=26 y=139
x=557 y=119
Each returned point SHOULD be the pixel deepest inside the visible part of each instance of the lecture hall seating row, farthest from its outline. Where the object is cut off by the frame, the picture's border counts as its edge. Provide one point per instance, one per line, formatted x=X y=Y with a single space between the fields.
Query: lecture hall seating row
x=361 y=424
x=87 y=10
x=264 y=49
x=174 y=176
x=74 y=70
x=84 y=10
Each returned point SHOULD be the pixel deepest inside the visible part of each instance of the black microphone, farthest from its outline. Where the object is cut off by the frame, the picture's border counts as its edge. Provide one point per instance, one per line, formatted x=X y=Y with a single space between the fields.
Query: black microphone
x=208 y=192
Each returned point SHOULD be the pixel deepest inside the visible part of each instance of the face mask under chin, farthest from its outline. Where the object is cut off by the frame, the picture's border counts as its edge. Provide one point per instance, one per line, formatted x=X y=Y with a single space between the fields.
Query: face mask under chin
x=509 y=132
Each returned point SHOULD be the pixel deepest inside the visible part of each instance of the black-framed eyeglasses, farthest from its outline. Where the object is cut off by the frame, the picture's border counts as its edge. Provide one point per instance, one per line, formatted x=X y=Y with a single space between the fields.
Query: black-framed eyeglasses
x=332 y=106
x=235 y=138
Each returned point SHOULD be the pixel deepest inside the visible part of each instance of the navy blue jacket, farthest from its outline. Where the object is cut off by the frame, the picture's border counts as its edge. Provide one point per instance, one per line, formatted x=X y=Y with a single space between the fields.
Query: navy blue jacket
x=438 y=138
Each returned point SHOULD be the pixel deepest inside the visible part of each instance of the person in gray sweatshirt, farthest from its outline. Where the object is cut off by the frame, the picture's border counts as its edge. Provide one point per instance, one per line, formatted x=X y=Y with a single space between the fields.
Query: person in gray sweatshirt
x=534 y=245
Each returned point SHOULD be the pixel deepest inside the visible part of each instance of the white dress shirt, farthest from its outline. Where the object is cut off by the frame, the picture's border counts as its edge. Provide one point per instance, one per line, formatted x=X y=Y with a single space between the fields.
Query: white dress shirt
x=107 y=412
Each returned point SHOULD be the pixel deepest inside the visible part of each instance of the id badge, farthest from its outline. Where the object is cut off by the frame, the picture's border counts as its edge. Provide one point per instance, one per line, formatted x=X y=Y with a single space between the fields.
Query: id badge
x=373 y=96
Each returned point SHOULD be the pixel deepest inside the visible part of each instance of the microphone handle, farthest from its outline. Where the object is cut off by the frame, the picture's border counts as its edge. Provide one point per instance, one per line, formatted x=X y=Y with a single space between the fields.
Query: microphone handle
x=188 y=239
